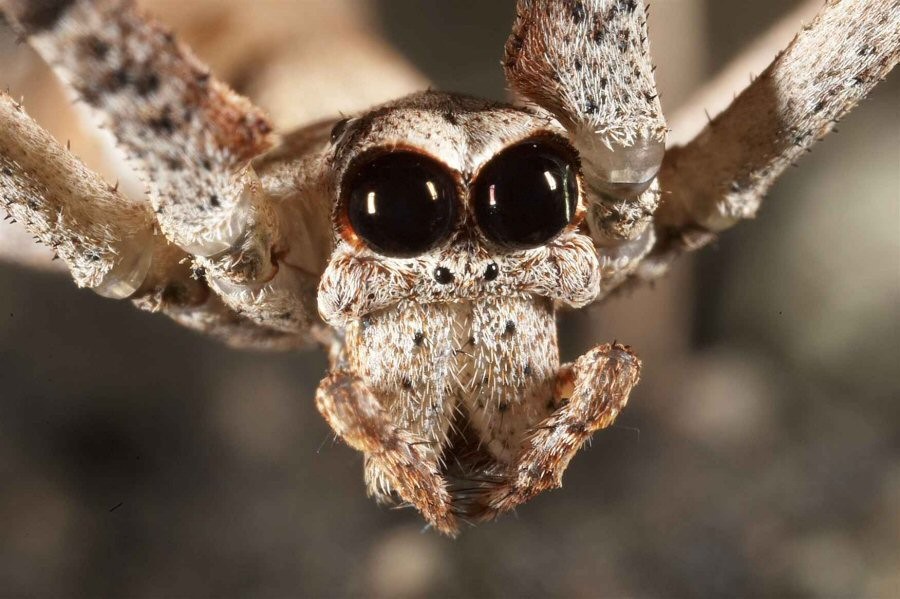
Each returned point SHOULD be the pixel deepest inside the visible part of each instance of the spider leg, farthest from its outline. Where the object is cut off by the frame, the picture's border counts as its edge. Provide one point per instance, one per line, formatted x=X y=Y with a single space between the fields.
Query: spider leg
x=192 y=140
x=588 y=63
x=187 y=134
x=105 y=240
x=591 y=392
x=720 y=177
x=402 y=458
x=109 y=244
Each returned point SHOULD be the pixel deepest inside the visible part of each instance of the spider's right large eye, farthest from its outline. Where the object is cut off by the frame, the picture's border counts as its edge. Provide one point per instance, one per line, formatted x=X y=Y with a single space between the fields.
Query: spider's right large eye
x=400 y=203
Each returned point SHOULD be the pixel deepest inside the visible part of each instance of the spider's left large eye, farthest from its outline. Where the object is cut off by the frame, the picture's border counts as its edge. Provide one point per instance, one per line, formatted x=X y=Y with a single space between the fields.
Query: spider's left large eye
x=526 y=195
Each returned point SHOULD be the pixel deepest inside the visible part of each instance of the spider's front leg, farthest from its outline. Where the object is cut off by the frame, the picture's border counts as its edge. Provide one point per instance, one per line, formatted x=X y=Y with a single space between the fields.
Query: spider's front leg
x=402 y=457
x=588 y=63
x=109 y=244
x=190 y=137
x=591 y=393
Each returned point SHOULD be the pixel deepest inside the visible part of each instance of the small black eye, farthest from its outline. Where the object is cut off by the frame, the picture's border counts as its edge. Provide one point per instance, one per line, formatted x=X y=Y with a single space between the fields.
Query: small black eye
x=491 y=272
x=400 y=203
x=526 y=195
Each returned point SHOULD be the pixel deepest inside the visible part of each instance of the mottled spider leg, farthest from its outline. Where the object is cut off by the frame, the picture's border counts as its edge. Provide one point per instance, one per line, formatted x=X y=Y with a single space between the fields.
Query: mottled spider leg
x=588 y=63
x=109 y=244
x=188 y=135
x=105 y=240
x=403 y=458
x=721 y=176
x=591 y=392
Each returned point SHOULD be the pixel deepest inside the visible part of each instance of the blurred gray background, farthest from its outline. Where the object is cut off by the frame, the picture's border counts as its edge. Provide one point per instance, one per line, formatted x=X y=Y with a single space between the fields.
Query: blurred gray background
x=760 y=455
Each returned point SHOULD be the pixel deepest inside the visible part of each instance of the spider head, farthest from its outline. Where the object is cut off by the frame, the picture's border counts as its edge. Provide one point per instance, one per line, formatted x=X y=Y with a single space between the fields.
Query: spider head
x=448 y=198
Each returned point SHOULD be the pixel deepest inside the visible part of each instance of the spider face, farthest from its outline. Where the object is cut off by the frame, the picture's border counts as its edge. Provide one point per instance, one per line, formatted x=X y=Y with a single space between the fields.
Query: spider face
x=456 y=199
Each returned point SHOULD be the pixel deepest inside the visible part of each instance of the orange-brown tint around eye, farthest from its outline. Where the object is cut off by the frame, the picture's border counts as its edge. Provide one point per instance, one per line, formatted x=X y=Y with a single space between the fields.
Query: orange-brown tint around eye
x=527 y=194
x=398 y=203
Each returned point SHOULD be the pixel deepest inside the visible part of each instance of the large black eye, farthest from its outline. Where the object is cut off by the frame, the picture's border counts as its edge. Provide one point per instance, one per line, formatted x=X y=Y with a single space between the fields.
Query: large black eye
x=400 y=203
x=526 y=195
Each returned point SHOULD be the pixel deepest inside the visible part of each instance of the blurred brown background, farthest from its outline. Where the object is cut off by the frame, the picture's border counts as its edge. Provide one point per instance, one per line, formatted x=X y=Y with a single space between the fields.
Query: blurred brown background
x=759 y=456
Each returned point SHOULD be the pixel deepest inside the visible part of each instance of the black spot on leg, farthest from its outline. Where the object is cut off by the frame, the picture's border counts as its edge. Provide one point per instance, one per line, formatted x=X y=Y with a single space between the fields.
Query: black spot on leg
x=527 y=370
x=93 y=47
x=503 y=407
x=450 y=117
x=591 y=107
x=214 y=200
x=146 y=84
x=87 y=94
x=37 y=15
x=406 y=383
x=174 y=163
x=578 y=65
x=114 y=81
x=162 y=123
x=418 y=338
x=578 y=12
x=509 y=329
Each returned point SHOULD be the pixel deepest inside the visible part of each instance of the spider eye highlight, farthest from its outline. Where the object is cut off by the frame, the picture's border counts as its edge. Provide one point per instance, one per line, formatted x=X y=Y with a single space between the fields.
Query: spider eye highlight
x=400 y=204
x=526 y=195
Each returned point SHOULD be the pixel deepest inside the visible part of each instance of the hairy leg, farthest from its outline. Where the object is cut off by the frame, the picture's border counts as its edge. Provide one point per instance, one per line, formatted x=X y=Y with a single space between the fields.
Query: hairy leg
x=105 y=240
x=404 y=459
x=588 y=63
x=109 y=244
x=191 y=139
x=187 y=134
x=592 y=392
x=721 y=176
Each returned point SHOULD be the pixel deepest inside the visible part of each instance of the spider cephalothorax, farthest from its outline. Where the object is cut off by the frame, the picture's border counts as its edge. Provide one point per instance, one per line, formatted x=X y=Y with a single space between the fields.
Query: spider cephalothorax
x=427 y=242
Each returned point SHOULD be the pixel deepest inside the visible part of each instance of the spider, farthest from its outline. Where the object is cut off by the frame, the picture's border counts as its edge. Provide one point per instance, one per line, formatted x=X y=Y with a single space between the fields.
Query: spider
x=427 y=244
